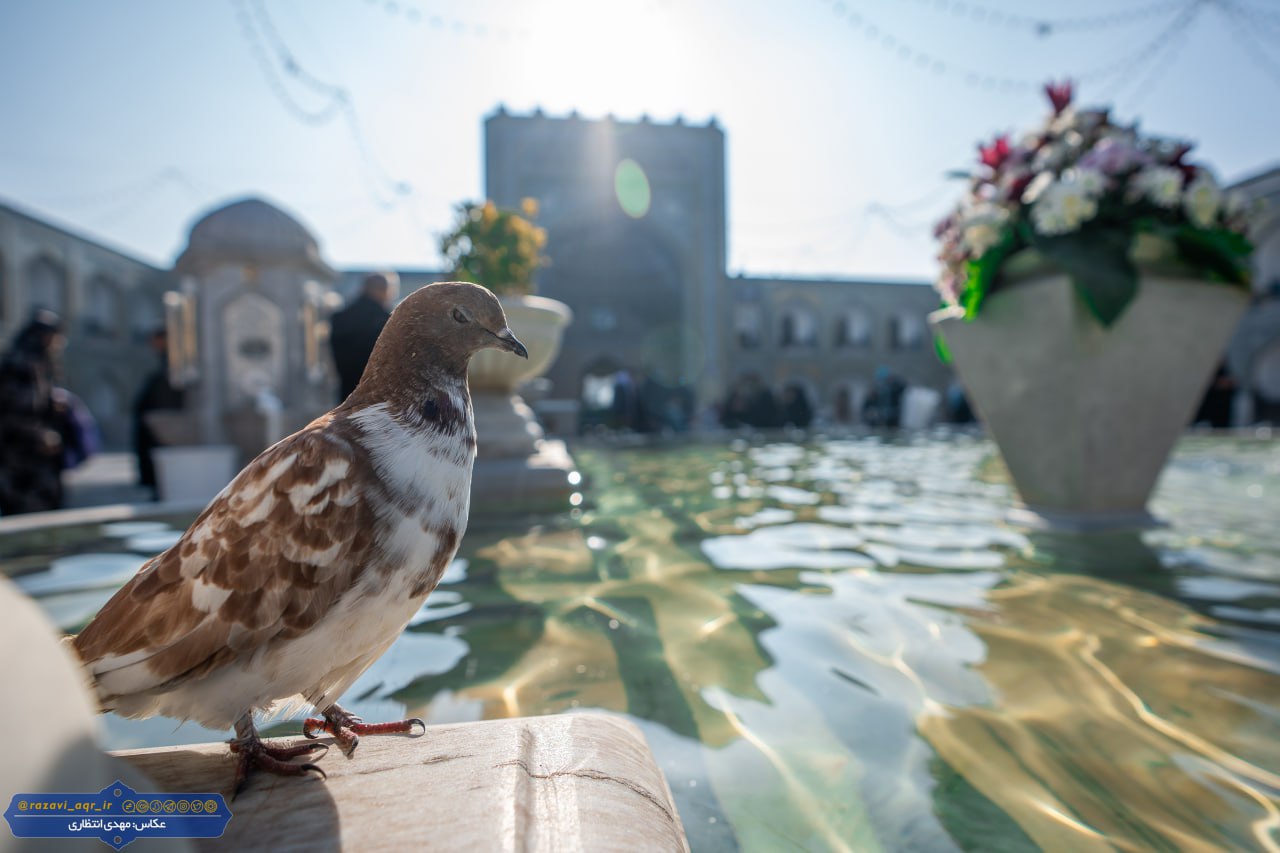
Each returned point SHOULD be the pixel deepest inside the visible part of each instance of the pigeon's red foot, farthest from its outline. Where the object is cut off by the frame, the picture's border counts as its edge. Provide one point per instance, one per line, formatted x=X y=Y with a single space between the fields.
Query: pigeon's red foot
x=255 y=754
x=346 y=727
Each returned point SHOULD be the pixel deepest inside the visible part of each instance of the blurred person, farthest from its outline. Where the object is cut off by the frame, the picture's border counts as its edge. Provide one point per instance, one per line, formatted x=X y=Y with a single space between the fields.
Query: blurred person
x=750 y=403
x=762 y=406
x=35 y=426
x=1215 y=406
x=796 y=410
x=883 y=406
x=354 y=330
x=625 y=411
x=157 y=394
x=958 y=408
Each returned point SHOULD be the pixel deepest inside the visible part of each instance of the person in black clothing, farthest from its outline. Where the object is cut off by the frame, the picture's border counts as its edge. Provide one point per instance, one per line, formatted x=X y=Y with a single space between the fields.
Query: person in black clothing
x=883 y=406
x=354 y=330
x=157 y=394
x=33 y=420
x=797 y=411
x=750 y=403
x=1215 y=406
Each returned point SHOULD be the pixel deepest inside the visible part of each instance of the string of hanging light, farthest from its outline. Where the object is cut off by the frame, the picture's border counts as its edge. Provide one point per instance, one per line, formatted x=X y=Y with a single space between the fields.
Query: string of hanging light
x=414 y=15
x=277 y=62
x=1122 y=67
x=1045 y=26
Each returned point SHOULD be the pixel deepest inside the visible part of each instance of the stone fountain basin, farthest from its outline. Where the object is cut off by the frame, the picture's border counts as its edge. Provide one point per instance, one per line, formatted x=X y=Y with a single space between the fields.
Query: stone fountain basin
x=539 y=323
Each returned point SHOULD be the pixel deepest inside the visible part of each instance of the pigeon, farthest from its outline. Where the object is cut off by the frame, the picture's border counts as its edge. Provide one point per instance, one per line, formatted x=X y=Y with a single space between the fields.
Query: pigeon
x=301 y=572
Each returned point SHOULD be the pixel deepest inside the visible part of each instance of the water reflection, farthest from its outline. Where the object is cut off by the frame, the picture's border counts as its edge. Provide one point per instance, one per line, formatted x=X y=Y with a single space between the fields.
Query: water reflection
x=841 y=646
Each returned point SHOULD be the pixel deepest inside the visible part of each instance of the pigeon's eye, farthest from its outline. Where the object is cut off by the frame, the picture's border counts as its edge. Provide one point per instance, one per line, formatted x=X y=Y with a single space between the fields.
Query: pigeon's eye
x=460 y=316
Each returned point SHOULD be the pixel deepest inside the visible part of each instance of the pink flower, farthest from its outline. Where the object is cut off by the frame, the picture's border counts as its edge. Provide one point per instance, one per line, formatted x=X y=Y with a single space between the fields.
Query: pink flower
x=1112 y=156
x=1059 y=95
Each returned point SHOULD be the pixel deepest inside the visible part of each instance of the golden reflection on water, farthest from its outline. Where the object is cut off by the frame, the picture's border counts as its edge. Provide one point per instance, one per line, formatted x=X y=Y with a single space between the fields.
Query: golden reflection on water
x=1115 y=724
x=1071 y=712
x=842 y=647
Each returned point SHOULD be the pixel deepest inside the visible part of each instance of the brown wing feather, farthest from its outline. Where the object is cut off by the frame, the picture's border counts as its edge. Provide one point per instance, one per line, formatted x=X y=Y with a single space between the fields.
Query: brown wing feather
x=266 y=559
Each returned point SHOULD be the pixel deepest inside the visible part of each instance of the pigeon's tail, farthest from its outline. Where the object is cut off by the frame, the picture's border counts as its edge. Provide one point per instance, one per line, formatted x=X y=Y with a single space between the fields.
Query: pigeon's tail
x=69 y=643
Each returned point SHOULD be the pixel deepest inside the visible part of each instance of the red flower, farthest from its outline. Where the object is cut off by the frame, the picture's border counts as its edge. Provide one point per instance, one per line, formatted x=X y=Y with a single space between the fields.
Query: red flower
x=996 y=153
x=1059 y=95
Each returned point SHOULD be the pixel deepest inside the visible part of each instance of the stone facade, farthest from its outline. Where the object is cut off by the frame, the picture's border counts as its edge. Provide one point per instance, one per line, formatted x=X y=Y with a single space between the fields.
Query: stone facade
x=110 y=301
x=830 y=336
x=635 y=220
x=635 y=214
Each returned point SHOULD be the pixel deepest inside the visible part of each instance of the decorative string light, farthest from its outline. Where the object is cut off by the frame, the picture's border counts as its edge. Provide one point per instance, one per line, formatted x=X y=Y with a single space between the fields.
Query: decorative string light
x=1123 y=68
x=414 y=15
x=1045 y=26
x=1135 y=89
x=261 y=34
x=1244 y=21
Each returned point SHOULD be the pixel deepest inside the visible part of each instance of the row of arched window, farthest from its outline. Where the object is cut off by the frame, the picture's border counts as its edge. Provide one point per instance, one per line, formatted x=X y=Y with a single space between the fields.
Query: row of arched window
x=800 y=328
x=108 y=311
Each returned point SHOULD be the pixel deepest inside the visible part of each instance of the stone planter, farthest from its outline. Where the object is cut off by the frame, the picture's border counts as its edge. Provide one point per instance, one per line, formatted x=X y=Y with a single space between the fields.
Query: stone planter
x=1084 y=416
x=539 y=323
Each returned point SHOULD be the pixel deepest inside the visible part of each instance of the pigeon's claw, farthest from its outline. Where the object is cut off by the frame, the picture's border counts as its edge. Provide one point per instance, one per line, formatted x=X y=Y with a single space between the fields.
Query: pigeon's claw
x=257 y=755
x=346 y=728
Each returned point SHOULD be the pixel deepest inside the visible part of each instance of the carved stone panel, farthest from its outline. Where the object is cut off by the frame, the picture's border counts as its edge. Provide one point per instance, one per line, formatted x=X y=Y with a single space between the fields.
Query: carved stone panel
x=253 y=334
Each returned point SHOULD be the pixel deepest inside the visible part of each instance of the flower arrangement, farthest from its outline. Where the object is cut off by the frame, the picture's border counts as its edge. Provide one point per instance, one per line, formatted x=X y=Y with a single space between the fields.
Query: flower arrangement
x=1094 y=199
x=496 y=247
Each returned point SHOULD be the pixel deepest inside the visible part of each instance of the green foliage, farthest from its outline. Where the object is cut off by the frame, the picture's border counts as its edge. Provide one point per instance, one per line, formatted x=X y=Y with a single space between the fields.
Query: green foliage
x=1222 y=254
x=941 y=349
x=498 y=248
x=1097 y=261
x=982 y=273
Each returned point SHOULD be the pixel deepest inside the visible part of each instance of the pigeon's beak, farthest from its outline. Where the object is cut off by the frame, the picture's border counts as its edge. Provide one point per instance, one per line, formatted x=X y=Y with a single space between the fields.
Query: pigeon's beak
x=510 y=344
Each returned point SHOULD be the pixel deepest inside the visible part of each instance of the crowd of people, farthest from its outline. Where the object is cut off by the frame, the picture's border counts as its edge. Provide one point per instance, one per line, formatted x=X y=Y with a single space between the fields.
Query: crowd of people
x=752 y=403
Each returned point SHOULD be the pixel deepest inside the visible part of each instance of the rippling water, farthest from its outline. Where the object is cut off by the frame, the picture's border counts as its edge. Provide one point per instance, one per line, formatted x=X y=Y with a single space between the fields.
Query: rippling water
x=839 y=645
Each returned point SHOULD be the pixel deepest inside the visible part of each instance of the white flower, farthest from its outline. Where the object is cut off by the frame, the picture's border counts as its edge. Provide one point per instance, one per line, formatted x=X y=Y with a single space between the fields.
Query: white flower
x=1036 y=188
x=1050 y=157
x=1161 y=185
x=948 y=287
x=1063 y=207
x=981 y=227
x=1091 y=181
x=1202 y=199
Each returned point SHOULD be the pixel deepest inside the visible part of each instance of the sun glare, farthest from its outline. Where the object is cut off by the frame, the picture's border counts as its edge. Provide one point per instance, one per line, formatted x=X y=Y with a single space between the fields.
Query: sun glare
x=626 y=58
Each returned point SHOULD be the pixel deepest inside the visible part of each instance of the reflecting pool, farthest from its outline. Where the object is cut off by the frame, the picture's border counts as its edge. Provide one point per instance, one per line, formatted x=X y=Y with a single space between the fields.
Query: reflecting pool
x=838 y=644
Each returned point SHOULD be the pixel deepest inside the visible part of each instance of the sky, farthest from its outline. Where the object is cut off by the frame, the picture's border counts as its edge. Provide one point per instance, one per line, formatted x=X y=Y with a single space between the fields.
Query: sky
x=128 y=120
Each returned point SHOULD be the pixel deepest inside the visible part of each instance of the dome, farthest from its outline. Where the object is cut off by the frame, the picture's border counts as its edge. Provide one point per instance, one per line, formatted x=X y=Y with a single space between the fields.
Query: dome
x=251 y=231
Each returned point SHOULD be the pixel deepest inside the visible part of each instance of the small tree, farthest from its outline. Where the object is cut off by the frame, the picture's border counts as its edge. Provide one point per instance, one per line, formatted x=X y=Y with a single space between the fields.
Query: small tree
x=496 y=247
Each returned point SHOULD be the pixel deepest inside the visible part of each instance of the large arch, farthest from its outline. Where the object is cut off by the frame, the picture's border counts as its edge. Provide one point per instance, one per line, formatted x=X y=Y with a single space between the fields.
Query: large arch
x=146 y=314
x=102 y=307
x=47 y=284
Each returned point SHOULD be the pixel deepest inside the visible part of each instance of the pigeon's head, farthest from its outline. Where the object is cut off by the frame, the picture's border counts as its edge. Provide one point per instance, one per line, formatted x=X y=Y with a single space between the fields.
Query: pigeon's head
x=437 y=329
x=461 y=317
